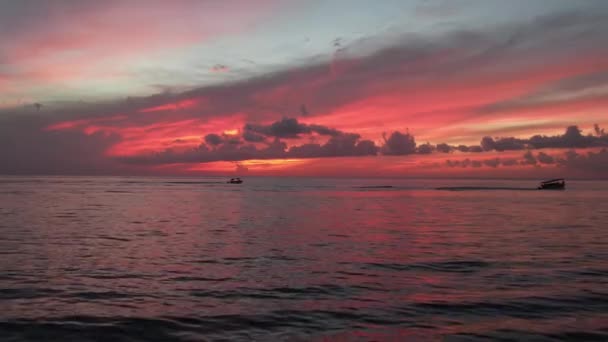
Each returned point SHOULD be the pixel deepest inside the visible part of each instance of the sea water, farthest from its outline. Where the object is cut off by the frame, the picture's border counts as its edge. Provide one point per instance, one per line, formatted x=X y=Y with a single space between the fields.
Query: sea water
x=191 y=259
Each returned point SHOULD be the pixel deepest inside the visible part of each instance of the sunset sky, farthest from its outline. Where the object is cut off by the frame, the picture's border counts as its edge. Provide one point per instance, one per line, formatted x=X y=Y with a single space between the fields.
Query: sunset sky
x=462 y=88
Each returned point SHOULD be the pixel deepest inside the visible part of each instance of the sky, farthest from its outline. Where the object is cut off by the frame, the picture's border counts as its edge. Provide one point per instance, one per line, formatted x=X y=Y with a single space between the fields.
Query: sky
x=353 y=88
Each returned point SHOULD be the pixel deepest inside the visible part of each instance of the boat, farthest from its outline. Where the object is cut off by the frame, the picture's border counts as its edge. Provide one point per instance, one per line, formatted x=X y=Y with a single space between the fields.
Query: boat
x=234 y=181
x=553 y=184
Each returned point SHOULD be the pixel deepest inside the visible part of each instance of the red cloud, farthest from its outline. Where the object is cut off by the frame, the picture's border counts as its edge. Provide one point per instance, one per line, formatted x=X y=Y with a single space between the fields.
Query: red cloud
x=183 y=104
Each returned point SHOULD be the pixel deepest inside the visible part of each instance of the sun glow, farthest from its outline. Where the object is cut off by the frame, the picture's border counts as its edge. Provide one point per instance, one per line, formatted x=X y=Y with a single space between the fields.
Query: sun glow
x=231 y=132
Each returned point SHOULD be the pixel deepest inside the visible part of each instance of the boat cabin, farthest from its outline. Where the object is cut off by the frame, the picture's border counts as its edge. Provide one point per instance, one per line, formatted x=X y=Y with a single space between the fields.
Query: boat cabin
x=558 y=183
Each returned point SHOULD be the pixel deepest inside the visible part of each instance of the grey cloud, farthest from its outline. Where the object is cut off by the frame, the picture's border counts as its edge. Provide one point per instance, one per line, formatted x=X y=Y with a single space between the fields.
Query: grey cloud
x=399 y=144
x=598 y=131
x=509 y=162
x=495 y=162
x=213 y=139
x=595 y=163
x=572 y=138
x=501 y=144
x=289 y=128
x=529 y=159
x=25 y=148
x=461 y=163
x=473 y=149
x=444 y=148
x=338 y=146
x=425 y=149
x=251 y=136
x=544 y=158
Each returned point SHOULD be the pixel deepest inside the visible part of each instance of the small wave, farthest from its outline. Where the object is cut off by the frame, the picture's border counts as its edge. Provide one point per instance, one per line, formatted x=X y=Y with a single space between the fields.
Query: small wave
x=185 y=182
x=275 y=325
x=479 y=188
x=115 y=276
x=519 y=335
x=237 y=259
x=16 y=192
x=446 y=266
x=375 y=187
x=199 y=279
x=90 y=295
x=27 y=293
x=172 y=328
x=288 y=293
x=589 y=272
x=528 y=308
x=106 y=237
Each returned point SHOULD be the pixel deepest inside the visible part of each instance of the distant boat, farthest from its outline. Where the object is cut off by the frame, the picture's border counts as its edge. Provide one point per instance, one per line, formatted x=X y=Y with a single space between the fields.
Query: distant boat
x=234 y=181
x=553 y=184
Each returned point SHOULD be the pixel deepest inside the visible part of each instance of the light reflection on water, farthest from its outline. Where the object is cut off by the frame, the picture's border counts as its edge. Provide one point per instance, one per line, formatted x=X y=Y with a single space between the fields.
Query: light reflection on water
x=159 y=258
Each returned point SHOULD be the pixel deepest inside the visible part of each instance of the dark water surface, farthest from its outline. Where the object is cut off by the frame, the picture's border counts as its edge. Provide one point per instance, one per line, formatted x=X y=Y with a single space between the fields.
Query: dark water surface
x=156 y=259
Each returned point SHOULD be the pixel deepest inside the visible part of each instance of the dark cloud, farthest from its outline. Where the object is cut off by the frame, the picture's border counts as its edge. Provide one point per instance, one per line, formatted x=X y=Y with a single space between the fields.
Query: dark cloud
x=464 y=163
x=289 y=128
x=425 y=148
x=462 y=148
x=598 y=131
x=366 y=147
x=593 y=163
x=509 y=162
x=588 y=164
x=475 y=149
x=251 y=136
x=213 y=139
x=544 y=158
x=529 y=159
x=232 y=148
x=572 y=138
x=338 y=146
x=26 y=148
x=323 y=130
x=487 y=144
x=502 y=144
x=399 y=144
x=444 y=148
x=495 y=162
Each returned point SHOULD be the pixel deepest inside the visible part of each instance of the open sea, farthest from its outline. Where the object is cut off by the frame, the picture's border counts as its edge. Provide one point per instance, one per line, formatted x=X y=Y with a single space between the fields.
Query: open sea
x=297 y=259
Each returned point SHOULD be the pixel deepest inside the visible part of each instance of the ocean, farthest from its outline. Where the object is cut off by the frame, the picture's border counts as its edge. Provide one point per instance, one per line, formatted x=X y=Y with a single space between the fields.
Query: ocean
x=301 y=259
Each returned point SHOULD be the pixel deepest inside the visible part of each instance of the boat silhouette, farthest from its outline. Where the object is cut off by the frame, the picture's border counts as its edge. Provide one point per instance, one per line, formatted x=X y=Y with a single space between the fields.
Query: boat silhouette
x=553 y=184
x=234 y=181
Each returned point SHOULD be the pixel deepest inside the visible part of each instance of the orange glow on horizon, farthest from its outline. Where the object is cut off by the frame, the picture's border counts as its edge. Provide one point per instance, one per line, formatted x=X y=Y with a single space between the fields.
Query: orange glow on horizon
x=232 y=132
